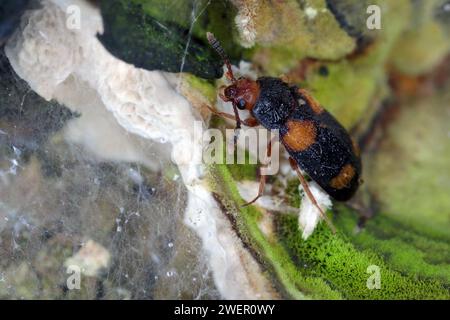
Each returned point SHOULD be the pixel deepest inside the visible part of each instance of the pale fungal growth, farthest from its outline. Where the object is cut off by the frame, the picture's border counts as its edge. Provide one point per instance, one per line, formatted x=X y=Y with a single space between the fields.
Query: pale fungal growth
x=248 y=190
x=309 y=216
x=90 y=259
x=245 y=21
x=59 y=62
x=310 y=12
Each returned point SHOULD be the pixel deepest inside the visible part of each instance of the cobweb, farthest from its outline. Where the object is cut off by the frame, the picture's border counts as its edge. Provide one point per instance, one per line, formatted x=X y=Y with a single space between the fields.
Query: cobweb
x=60 y=197
x=194 y=17
x=60 y=201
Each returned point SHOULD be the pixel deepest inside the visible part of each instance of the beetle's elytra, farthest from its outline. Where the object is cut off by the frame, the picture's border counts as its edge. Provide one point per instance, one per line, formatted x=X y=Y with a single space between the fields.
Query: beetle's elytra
x=314 y=139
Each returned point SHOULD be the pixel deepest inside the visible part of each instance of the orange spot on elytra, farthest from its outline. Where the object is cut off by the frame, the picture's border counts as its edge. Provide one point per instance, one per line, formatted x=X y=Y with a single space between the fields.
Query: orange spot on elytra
x=300 y=135
x=343 y=178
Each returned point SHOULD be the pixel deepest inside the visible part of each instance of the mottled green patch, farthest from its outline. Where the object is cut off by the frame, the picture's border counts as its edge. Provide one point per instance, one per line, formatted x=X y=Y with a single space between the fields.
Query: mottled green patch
x=351 y=84
x=339 y=263
x=410 y=173
x=202 y=86
x=288 y=32
x=292 y=193
x=245 y=171
x=426 y=41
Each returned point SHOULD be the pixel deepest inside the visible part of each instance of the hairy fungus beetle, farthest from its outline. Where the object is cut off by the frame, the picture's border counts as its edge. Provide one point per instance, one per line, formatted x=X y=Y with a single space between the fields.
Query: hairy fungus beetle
x=316 y=142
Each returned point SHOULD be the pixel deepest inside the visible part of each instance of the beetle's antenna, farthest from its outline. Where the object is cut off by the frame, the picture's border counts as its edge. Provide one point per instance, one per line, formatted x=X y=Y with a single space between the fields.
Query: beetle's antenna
x=216 y=46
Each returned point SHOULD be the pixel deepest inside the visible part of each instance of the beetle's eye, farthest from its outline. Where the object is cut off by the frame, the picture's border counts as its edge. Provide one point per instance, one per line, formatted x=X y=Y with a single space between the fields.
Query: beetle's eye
x=230 y=91
x=241 y=104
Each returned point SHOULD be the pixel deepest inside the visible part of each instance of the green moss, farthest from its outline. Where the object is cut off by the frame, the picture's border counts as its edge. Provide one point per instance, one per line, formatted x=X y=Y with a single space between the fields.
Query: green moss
x=245 y=171
x=336 y=260
x=293 y=196
x=273 y=255
x=202 y=86
x=402 y=249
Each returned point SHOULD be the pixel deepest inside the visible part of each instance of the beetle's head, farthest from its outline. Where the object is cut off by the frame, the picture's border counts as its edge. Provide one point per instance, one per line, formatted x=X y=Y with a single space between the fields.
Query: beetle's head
x=243 y=93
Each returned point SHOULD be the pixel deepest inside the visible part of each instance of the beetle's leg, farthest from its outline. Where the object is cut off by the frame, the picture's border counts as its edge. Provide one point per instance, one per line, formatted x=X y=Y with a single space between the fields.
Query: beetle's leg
x=221 y=114
x=234 y=117
x=304 y=183
x=249 y=122
x=262 y=179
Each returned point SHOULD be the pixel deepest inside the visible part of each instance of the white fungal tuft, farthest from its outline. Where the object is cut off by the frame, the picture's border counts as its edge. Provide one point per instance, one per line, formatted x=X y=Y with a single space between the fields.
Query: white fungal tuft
x=310 y=12
x=309 y=215
x=245 y=21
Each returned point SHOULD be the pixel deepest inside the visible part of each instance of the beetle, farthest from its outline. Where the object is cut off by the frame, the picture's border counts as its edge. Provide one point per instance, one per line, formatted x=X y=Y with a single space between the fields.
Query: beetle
x=316 y=142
